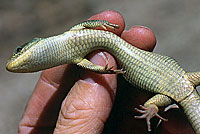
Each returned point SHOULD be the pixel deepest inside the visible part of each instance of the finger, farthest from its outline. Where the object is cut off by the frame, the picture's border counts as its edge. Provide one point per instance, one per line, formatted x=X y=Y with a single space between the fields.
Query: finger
x=92 y=97
x=141 y=37
x=87 y=106
x=43 y=107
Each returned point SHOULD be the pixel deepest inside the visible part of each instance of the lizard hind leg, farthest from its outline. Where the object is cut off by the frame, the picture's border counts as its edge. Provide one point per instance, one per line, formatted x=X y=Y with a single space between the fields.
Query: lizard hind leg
x=150 y=108
x=194 y=78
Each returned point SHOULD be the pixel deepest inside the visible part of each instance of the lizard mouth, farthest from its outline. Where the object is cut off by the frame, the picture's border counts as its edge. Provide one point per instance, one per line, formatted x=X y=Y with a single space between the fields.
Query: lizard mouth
x=10 y=66
x=18 y=64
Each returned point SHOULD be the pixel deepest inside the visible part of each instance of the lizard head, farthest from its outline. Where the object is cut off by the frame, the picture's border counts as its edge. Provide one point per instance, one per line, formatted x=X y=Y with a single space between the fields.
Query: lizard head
x=19 y=61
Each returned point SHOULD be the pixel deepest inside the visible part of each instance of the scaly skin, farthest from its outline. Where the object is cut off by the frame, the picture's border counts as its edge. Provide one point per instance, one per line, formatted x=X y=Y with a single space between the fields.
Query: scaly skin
x=149 y=71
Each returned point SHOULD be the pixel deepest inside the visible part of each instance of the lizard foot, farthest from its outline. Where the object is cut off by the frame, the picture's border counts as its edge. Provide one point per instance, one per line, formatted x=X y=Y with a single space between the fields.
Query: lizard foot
x=94 y=24
x=148 y=113
x=111 y=71
x=110 y=25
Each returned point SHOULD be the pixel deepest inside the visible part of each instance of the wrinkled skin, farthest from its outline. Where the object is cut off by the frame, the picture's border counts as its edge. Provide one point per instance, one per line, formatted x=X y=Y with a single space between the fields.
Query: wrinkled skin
x=87 y=98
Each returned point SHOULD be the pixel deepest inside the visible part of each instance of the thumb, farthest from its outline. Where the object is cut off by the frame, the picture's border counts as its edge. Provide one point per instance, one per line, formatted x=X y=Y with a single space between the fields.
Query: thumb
x=89 y=102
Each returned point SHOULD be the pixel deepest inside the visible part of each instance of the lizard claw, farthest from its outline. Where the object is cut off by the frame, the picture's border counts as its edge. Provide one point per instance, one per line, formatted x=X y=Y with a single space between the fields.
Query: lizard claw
x=111 y=71
x=112 y=26
x=148 y=113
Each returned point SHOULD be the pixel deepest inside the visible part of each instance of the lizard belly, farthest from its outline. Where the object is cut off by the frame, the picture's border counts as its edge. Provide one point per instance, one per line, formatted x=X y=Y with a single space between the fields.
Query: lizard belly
x=159 y=74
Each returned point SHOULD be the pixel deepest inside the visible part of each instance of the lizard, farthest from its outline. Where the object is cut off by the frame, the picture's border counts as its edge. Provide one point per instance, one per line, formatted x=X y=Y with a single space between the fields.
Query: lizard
x=153 y=72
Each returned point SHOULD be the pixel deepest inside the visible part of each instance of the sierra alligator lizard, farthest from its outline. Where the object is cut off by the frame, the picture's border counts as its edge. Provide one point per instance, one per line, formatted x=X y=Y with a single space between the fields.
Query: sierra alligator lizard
x=147 y=70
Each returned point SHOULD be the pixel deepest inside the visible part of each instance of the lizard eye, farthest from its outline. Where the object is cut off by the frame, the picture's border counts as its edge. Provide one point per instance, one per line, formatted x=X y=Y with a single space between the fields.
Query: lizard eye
x=17 y=50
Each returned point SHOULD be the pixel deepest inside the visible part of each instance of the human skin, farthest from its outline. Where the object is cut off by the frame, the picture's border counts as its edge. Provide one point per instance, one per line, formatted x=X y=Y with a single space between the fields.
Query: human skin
x=68 y=99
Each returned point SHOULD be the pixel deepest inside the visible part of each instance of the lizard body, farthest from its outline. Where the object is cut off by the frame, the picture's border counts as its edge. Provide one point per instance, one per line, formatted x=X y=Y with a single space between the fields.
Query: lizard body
x=147 y=70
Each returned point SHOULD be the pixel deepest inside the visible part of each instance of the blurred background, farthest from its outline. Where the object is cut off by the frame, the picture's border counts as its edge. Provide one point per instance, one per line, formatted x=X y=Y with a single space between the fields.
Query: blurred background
x=176 y=25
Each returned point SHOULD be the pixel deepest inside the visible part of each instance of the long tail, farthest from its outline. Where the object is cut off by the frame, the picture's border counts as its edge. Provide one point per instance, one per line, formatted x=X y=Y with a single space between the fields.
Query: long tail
x=191 y=107
x=194 y=78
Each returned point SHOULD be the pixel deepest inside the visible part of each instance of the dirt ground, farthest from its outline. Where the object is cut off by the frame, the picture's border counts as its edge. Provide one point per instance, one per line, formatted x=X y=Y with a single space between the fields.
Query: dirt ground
x=175 y=23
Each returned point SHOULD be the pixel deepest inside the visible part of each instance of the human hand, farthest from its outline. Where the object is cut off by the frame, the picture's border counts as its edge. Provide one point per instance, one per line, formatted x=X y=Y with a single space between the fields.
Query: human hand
x=90 y=96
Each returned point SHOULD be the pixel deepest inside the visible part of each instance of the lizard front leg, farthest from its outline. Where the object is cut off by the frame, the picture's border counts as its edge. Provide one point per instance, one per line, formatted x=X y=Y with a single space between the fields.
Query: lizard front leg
x=94 y=24
x=150 y=108
x=86 y=64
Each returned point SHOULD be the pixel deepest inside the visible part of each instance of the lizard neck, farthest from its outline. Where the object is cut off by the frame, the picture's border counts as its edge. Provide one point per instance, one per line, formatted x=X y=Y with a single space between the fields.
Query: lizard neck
x=72 y=45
